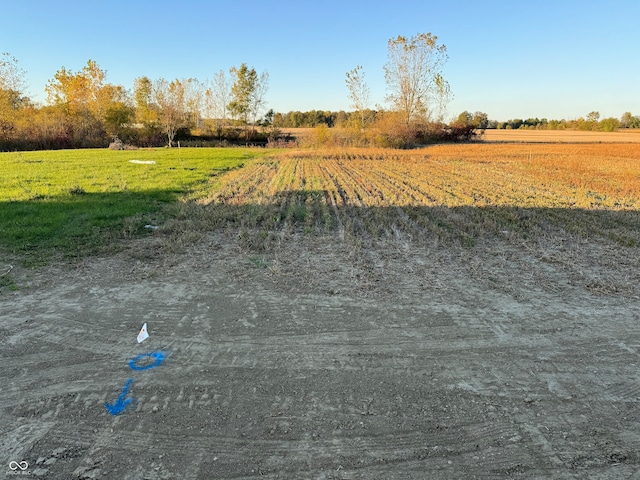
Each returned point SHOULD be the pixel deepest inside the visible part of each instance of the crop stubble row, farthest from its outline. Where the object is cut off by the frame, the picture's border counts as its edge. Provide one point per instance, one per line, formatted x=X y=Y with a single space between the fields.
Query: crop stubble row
x=462 y=188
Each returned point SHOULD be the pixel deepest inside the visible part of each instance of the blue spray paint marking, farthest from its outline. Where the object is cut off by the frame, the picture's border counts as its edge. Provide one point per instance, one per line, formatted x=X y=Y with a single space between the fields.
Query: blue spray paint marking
x=159 y=356
x=121 y=403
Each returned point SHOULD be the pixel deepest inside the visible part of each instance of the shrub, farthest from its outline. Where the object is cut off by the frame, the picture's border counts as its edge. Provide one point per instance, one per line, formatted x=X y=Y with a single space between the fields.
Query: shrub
x=321 y=136
x=117 y=144
x=610 y=124
x=456 y=132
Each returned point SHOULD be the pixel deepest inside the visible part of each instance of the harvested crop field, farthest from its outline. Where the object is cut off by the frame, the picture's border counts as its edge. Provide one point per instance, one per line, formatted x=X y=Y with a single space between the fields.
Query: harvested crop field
x=562 y=136
x=462 y=193
x=459 y=311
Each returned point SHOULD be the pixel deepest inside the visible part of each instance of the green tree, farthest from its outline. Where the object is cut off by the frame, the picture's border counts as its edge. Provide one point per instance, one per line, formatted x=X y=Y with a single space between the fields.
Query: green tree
x=146 y=111
x=591 y=122
x=480 y=120
x=413 y=75
x=464 y=119
x=85 y=99
x=247 y=94
x=477 y=120
x=118 y=118
x=77 y=92
x=593 y=117
x=610 y=124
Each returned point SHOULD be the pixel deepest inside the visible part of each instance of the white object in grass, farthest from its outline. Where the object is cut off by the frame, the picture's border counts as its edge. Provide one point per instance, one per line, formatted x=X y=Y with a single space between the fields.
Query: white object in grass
x=143 y=162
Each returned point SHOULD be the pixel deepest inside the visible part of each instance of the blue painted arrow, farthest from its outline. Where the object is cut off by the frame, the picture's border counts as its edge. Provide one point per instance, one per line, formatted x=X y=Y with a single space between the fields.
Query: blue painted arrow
x=121 y=403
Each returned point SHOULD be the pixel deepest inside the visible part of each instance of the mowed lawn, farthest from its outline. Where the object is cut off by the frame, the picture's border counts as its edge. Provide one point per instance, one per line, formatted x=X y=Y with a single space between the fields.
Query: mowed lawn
x=78 y=201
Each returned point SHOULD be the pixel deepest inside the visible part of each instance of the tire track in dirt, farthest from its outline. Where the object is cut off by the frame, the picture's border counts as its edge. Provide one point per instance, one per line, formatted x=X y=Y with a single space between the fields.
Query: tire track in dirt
x=454 y=379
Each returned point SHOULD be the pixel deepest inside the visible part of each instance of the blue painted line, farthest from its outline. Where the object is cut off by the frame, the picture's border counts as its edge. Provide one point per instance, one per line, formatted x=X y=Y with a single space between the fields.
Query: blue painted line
x=159 y=356
x=121 y=403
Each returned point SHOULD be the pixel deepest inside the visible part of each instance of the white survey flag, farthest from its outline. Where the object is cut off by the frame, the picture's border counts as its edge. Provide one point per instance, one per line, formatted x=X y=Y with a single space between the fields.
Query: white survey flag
x=143 y=333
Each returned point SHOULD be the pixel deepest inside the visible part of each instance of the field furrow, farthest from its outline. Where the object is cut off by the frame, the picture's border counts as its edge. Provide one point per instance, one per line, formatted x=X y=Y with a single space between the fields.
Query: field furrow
x=443 y=192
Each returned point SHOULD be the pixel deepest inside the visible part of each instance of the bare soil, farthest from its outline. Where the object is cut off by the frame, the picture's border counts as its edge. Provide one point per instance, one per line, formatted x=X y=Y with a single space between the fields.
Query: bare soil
x=324 y=358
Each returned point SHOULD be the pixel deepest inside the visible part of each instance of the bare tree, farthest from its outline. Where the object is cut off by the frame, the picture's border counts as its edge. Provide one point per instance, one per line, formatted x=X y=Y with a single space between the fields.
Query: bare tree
x=178 y=104
x=194 y=102
x=413 y=75
x=11 y=97
x=443 y=97
x=11 y=75
x=359 y=95
x=217 y=99
x=258 y=98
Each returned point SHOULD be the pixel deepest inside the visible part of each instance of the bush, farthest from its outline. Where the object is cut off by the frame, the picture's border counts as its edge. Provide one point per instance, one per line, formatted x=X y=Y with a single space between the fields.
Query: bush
x=610 y=124
x=456 y=132
x=321 y=136
x=392 y=132
x=117 y=144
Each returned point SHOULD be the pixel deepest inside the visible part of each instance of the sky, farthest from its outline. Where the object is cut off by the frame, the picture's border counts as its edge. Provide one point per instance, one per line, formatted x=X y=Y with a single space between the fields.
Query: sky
x=510 y=59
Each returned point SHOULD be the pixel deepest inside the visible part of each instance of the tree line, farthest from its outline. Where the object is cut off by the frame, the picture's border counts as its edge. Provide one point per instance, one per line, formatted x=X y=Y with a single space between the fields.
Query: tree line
x=591 y=122
x=84 y=110
x=313 y=118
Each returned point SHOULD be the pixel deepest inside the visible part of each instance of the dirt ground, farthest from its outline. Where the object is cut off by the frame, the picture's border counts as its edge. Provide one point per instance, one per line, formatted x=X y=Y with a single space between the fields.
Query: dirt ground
x=323 y=359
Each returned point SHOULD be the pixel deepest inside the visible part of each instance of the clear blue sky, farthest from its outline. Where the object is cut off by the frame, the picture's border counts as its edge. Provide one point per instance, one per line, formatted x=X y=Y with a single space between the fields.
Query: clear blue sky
x=510 y=59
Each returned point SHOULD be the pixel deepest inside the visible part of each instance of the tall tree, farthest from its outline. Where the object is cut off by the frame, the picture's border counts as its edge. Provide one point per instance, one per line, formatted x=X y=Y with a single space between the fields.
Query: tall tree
x=217 y=99
x=480 y=120
x=11 y=75
x=194 y=102
x=169 y=96
x=178 y=104
x=593 y=117
x=359 y=96
x=11 y=96
x=79 y=91
x=146 y=111
x=118 y=118
x=417 y=89
x=258 y=98
x=247 y=94
x=84 y=98
x=465 y=119
x=243 y=87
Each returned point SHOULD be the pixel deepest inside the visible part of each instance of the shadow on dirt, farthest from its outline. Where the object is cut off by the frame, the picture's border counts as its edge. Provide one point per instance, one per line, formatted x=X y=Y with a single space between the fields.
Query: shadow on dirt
x=318 y=211
x=86 y=223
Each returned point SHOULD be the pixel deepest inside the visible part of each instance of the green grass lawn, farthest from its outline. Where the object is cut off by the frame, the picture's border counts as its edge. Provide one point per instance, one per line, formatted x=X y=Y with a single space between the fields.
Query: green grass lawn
x=78 y=201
